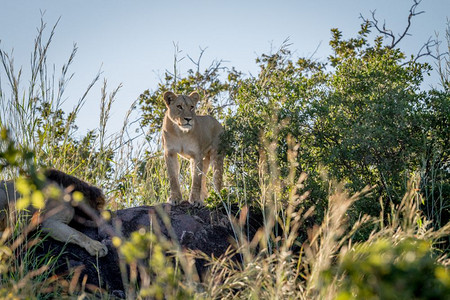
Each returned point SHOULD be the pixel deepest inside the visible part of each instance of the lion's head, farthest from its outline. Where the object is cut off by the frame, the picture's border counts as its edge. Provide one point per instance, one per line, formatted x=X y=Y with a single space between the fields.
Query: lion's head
x=181 y=109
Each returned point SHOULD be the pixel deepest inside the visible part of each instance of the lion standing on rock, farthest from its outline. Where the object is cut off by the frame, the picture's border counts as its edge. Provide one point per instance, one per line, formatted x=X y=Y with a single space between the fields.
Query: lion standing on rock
x=196 y=138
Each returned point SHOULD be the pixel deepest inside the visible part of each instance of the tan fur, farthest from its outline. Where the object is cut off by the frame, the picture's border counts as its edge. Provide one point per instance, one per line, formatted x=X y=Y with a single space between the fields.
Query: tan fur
x=57 y=213
x=196 y=138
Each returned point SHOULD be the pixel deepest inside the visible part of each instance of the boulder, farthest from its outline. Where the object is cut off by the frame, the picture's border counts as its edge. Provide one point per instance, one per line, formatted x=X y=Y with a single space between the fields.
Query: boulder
x=194 y=228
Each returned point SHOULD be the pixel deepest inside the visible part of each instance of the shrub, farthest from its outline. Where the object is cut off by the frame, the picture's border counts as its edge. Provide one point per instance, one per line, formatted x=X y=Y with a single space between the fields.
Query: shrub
x=384 y=270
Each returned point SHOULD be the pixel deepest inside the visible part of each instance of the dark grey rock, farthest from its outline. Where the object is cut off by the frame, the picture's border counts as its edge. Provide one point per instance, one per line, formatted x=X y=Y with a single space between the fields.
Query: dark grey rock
x=194 y=228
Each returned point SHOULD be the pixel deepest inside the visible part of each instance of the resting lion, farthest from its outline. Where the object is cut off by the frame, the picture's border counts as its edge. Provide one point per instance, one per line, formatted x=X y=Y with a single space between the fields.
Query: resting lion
x=58 y=212
x=196 y=138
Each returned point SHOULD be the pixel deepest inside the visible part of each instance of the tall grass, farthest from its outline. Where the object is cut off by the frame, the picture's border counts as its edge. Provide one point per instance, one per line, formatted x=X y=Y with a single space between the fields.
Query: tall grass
x=32 y=110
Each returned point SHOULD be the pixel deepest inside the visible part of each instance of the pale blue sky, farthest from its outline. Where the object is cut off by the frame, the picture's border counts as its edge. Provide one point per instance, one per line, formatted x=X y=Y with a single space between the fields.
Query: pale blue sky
x=132 y=41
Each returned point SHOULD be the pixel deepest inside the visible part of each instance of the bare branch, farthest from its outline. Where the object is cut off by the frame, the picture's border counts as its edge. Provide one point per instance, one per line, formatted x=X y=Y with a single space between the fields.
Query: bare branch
x=197 y=63
x=412 y=13
x=176 y=60
x=425 y=50
x=395 y=40
x=375 y=23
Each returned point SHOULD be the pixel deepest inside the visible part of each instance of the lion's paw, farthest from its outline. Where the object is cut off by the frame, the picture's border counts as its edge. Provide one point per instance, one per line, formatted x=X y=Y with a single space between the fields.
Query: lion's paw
x=197 y=204
x=97 y=248
x=174 y=200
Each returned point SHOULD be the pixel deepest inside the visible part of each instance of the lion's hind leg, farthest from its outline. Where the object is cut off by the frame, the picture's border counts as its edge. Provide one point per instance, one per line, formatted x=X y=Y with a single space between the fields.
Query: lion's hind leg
x=204 y=189
x=217 y=167
x=195 y=197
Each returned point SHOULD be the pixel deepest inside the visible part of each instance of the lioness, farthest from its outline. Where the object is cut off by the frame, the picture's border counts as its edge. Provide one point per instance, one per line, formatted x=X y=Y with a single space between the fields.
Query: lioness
x=193 y=137
x=58 y=212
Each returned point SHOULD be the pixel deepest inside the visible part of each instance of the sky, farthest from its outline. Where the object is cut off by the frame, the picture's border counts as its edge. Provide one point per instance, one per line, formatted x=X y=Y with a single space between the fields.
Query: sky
x=132 y=42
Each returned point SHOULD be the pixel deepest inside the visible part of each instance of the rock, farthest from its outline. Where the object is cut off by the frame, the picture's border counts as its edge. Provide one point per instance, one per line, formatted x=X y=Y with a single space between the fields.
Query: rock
x=194 y=228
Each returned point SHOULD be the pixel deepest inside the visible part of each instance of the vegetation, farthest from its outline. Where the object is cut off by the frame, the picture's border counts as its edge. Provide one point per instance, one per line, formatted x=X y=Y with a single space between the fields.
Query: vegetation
x=346 y=158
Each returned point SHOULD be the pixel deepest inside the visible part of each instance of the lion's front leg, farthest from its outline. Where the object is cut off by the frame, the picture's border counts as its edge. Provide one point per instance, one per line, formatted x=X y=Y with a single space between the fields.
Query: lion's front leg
x=173 y=168
x=59 y=214
x=66 y=234
x=196 y=187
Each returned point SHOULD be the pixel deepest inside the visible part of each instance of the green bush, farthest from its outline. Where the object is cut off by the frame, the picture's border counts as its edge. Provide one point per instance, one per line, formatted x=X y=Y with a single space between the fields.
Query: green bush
x=383 y=270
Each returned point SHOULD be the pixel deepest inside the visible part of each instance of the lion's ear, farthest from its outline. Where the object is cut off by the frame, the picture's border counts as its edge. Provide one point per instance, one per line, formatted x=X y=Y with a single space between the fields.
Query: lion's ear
x=194 y=96
x=169 y=97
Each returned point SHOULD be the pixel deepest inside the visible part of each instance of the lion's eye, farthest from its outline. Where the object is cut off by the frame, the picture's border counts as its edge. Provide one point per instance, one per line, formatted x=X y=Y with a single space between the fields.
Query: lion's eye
x=192 y=108
x=179 y=107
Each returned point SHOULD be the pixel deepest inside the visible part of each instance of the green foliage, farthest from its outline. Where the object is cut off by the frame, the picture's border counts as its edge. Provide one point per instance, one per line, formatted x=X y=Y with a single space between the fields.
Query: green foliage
x=271 y=107
x=369 y=122
x=436 y=156
x=10 y=156
x=382 y=270
x=365 y=121
x=30 y=183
